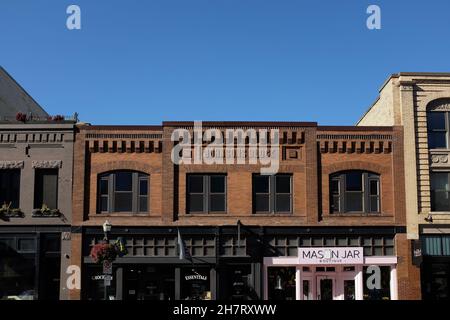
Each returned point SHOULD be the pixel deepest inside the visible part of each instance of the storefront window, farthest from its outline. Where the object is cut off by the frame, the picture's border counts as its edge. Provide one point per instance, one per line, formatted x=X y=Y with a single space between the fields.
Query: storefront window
x=376 y=283
x=349 y=289
x=195 y=284
x=17 y=269
x=281 y=282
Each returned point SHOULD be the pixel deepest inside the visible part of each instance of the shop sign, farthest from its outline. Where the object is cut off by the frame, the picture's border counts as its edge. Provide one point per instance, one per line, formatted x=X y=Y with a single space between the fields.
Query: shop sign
x=416 y=252
x=338 y=255
x=195 y=276
x=105 y=277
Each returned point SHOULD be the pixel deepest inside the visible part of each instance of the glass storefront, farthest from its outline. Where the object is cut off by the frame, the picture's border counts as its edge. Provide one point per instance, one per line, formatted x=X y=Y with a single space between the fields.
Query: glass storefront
x=281 y=283
x=19 y=276
x=375 y=287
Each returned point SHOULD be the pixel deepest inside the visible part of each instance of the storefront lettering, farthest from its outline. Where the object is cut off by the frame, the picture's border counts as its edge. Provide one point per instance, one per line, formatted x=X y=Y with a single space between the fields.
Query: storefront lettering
x=330 y=255
x=196 y=277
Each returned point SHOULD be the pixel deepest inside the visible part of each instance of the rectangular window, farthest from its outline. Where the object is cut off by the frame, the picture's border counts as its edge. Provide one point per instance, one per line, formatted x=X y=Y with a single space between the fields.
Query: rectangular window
x=437 y=130
x=123 y=191
x=10 y=187
x=206 y=193
x=440 y=191
x=46 y=188
x=272 y=194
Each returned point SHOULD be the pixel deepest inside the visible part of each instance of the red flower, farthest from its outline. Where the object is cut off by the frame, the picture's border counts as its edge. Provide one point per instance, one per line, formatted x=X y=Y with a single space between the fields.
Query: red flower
x=103 y=252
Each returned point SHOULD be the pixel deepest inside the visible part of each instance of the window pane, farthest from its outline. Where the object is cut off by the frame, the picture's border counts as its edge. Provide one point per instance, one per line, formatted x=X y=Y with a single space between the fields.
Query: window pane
x=261 y=184
x=27 y=244
x=436 y=120
x=334 y=186
x=10 y=187
x=124 y=181
x=440 y=200
x=217 y=202
x=374 y=204
x=143 y=204
x=262 y=203
x=195 y=184
x=283 y=203
x=353 y=202
x=143 y=186
x=437 y=139
x=335 y=204
x=439 y=181
x=104 y=186
x=196 y=203
x=104 y=203
x=283 y=184
x=46 y=188
x=353 y=181
x=217 y=184
x=123 y=202
x=373 y=185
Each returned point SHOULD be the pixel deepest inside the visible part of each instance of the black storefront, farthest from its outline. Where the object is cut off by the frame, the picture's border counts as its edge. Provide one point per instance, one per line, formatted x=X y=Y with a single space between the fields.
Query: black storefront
x=30 y=263
x=435 y=268
x=225 y=265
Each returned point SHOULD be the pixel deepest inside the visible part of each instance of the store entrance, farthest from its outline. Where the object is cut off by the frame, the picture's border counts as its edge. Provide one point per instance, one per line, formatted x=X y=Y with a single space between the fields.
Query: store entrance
x=144 y=282
x=326 y=286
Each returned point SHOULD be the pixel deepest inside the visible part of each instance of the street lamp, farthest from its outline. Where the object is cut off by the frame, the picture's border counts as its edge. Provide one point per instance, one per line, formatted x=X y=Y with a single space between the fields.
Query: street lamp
x=106 y=229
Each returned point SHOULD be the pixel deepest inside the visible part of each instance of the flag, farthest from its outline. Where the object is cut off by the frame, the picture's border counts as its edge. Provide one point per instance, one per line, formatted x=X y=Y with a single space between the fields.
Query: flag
x=184 y=251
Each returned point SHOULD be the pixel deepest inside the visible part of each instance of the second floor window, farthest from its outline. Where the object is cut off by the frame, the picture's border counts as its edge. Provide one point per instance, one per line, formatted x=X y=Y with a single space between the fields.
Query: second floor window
x=438 y=129
x=272 y=194
x=355 y=192
x=46 y=188
x=440 y=191
x=123 y=191
x=10 y=187
x=206 y=193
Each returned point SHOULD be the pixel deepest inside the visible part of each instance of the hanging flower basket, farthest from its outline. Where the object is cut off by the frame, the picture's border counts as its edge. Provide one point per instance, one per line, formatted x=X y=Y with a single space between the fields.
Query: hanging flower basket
x=103 y=252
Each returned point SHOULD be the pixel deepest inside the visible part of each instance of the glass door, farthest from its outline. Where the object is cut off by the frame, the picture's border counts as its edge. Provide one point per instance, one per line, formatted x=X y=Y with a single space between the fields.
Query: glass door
x=325 y=287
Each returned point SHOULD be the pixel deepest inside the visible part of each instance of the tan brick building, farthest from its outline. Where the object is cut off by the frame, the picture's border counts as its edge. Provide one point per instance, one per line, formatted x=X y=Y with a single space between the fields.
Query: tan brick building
x=420 y=102
x=333 y=216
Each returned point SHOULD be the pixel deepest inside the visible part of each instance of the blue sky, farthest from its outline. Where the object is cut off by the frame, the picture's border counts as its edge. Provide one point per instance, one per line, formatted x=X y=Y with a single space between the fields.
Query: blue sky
x=143 y=62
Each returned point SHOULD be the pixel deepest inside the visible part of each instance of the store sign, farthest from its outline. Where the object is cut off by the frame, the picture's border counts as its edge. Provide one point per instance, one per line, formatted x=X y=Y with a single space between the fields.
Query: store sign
x=341 y=255
x=105 y=277
x=195 y=276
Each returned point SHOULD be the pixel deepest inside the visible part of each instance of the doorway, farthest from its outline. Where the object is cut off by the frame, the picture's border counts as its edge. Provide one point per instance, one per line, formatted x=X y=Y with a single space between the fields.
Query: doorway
x=326 y=287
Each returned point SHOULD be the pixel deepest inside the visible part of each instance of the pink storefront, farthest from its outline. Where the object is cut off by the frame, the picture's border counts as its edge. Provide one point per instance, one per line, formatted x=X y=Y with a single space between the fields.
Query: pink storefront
x=330 y=273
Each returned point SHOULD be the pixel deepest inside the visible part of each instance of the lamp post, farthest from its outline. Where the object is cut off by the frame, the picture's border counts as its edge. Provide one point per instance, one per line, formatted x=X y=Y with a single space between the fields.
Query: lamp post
x=106 y=230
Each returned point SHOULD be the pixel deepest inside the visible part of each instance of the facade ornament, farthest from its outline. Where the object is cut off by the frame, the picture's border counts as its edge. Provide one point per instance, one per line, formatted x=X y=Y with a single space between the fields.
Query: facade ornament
x=11 y=164
x=46 y=164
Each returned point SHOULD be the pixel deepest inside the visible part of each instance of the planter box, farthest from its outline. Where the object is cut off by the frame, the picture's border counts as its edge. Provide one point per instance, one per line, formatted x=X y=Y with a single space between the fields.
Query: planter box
x=11 y=214
x=52 y=214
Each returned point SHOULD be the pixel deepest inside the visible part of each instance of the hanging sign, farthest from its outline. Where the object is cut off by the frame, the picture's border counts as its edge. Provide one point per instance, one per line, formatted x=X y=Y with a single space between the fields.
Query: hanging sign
x=330 y=255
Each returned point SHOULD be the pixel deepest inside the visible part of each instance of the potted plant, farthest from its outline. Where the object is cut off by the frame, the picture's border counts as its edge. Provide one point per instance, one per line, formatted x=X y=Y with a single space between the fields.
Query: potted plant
x=105 y=251
x=45 y=211
x=7 y=211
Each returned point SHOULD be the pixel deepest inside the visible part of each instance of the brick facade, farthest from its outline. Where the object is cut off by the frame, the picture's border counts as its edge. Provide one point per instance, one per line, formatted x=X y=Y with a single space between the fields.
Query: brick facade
x=309 y=152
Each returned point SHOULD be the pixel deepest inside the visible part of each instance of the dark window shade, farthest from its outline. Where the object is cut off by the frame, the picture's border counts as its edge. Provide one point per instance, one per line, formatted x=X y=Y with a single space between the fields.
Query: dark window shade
x=10 y=187
x=46 y=188
x=272 y=193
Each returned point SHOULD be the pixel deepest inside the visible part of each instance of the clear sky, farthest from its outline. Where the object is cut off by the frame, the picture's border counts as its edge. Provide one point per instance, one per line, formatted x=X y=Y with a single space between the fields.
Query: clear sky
x=143 y=62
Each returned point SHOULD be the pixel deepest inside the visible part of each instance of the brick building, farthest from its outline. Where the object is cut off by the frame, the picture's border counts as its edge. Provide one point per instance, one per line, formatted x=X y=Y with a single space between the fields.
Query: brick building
x=420 y=103
x=332 y=216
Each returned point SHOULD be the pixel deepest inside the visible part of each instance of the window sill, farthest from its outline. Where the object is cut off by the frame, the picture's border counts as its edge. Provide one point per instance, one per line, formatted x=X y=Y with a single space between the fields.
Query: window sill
x=357 y=214
x=440 y=213
x=119 y=214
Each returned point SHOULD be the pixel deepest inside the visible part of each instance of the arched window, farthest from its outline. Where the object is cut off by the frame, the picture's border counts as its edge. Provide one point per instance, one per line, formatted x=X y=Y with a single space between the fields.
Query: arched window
x=438 y=122
x=355 y=191
x=123 y=191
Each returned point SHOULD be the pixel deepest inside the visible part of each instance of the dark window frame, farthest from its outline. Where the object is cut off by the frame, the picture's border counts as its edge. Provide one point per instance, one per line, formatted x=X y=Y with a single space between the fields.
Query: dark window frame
x=446 y=130
x=433 y=190
x=341 y=195
x=206 y=193
x=273 y=194
x=38 y=193
x=110 y=195
x=8 y=175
